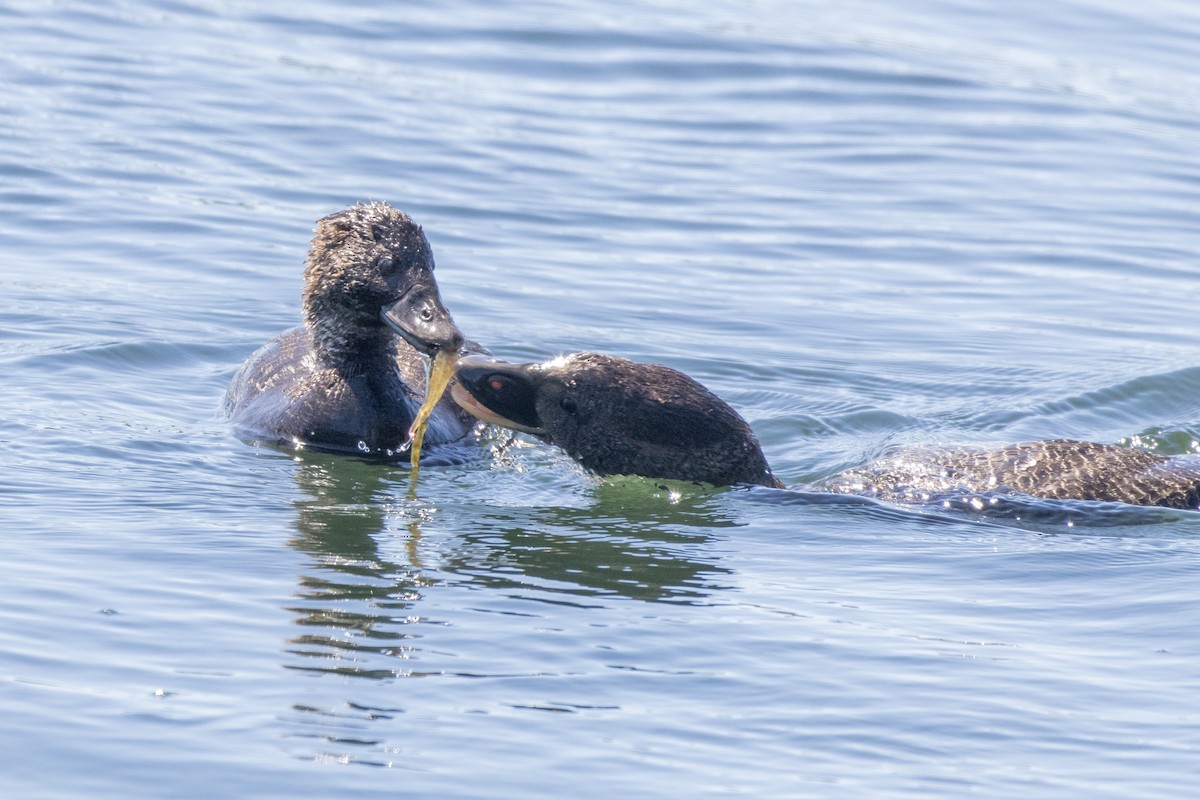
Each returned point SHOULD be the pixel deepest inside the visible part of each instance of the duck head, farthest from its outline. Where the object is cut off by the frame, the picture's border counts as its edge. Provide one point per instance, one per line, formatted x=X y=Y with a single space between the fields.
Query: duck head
x=371 y=266
x=617 y=417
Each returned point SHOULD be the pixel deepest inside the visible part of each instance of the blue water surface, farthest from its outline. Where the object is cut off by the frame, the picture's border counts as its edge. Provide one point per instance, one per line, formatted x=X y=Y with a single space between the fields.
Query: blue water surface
x=864 y=224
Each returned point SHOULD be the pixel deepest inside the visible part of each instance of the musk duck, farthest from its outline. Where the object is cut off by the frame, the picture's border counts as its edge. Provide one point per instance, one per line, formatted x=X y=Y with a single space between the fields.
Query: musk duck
x=352 y=377
x=615 y=416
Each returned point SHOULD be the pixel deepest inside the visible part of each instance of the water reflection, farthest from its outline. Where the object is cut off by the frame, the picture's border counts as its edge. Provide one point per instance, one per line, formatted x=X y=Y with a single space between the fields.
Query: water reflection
x=373 y=603
x=630 y=542
x=383 y=595
x=355 y=601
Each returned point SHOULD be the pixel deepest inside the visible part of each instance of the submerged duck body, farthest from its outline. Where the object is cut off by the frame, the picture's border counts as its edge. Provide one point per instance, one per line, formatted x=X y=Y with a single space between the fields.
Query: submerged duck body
x=351 y=378
x=619 y=417
x=1059 y=469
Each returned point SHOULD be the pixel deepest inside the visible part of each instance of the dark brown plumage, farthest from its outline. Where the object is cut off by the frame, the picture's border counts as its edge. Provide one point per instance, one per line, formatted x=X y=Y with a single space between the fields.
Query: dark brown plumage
x=618 y=417
x=352 y=376
x=1060 y=469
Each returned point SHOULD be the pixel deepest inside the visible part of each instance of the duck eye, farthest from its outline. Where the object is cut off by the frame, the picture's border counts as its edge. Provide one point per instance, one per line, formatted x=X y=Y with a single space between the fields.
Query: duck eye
x=386 y=265
x=568 y=405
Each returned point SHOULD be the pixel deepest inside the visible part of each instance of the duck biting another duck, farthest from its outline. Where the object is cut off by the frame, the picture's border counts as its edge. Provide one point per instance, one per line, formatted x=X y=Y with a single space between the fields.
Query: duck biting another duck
x=352 y=377
x=618 y=417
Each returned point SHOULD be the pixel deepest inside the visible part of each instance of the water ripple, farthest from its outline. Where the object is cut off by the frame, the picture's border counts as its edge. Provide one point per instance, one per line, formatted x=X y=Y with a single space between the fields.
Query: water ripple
x=863 y=224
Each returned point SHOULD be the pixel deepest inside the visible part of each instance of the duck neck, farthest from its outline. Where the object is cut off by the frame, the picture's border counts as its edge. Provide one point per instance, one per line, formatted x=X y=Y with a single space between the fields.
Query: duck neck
x=353 y=347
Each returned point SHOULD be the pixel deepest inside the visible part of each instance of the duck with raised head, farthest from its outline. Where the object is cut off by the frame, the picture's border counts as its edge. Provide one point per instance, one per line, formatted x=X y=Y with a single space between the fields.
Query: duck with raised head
x=618 y=417
x=352 y=376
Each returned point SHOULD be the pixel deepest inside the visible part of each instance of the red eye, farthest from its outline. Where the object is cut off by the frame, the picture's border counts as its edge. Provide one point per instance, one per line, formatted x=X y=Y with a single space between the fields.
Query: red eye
x=496 y=384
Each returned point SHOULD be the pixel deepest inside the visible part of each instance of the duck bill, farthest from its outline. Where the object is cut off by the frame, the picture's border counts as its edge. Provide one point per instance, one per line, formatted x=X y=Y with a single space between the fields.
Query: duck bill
x=423 y=321
x=498 y=393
